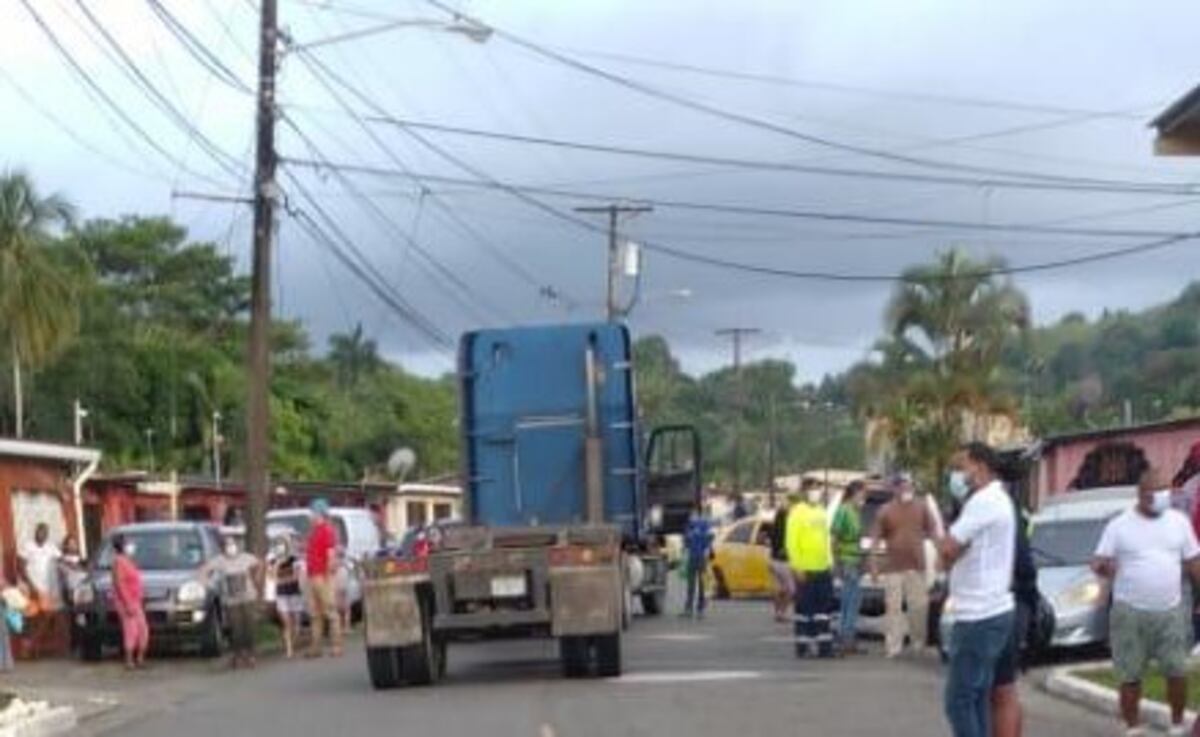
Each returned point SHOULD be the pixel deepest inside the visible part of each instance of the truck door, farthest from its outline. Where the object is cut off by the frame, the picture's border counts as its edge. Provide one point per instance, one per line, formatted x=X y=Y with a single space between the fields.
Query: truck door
x=673 y=481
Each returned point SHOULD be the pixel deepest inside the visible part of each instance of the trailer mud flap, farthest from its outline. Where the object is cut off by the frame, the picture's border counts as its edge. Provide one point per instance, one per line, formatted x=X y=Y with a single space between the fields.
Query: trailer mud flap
x=585 y=601
x=392 y=612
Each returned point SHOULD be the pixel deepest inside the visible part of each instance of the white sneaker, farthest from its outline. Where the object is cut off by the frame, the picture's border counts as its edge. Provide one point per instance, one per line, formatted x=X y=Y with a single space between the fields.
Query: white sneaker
x=1177 y=730
x=1135 y=732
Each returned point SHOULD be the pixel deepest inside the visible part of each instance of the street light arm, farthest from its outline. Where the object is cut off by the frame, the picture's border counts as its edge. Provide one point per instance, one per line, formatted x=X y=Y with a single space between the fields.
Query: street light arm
x=475 y=31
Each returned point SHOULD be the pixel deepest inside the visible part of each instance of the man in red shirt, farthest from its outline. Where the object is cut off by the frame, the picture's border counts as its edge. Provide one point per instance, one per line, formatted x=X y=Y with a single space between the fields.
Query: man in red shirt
x=321 y=562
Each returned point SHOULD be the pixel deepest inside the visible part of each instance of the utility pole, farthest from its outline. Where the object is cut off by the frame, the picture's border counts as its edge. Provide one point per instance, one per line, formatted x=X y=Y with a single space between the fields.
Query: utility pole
x=614 y=212
x=258 y=439
x=150 y=448
x=737 y=334
x=80 y=415
x=216 y=447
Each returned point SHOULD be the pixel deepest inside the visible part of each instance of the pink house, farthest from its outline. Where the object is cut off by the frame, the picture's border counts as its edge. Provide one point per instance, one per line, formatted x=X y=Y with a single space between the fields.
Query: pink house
x=1112 y=457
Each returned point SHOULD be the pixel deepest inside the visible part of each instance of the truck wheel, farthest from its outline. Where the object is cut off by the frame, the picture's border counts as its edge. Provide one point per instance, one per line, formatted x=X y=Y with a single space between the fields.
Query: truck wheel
x=608 y=655
x=383 y=663
x=420 y=662
x=652 y=603
x=574 y=652
x=91 y=649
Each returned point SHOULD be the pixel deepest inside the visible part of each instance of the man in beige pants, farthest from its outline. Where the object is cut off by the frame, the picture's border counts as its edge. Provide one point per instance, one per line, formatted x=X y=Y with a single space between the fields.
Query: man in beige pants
x=898 y=535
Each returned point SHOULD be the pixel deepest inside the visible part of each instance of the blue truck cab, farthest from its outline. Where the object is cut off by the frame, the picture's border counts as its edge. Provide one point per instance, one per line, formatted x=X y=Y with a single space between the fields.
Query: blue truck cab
x=564 y=512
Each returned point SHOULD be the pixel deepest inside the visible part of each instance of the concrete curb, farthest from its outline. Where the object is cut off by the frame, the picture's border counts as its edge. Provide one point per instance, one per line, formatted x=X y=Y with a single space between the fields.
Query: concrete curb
x=36 y=719
x=1063 y=683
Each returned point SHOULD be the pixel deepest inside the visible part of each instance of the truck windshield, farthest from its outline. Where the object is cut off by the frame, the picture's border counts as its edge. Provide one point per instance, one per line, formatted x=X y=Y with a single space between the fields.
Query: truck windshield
x=160 y=550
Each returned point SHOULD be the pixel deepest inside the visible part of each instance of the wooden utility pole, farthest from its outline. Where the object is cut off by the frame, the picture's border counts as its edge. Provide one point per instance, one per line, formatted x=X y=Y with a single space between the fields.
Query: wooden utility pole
x=737 y=334
x=612 y=310
x=258 y=438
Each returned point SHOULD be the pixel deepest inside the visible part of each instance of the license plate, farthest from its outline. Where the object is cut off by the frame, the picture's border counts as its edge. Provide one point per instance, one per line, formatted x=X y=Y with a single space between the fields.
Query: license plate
x=507 y=587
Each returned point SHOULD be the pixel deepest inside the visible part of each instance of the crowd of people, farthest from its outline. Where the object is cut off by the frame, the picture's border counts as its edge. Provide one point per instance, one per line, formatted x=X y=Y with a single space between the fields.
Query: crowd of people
x=48 y=575
x=1148 y=556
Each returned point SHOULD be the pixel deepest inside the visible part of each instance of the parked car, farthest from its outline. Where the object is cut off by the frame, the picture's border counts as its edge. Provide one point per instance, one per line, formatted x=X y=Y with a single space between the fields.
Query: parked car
x=741 y=559
x=181 y=608
x=1064 y=536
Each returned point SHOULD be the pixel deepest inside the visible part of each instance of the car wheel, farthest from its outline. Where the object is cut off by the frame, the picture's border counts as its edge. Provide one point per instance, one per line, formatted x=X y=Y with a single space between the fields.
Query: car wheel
x=212 y=639
x=722 y=590
x=91 y=648
x=653 y=602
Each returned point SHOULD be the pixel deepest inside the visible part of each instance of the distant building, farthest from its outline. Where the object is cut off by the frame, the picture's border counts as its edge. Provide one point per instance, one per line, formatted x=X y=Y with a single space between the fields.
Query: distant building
x=1179 y=127
x=1112 y=457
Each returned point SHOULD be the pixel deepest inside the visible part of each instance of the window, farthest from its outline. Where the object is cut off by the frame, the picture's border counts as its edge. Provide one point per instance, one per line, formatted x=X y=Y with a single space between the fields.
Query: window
x=763 y=536
x=740 y=533
x=416 y=514
x=441 y=511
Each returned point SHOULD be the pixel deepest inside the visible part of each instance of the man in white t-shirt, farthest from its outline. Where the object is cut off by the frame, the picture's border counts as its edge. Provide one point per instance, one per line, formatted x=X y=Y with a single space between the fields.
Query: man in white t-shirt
x=979 y=552
x=1143 y=552
x=39 y=568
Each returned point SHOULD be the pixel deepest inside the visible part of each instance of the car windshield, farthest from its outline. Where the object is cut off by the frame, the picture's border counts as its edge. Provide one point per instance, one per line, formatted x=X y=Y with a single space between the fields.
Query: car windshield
x=160 y=550
x=1066 y=542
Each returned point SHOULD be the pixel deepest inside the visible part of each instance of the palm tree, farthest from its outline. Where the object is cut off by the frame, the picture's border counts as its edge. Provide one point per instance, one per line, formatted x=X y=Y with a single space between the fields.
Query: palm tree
x=948 y=322
x=353 y=356
x=39 y=310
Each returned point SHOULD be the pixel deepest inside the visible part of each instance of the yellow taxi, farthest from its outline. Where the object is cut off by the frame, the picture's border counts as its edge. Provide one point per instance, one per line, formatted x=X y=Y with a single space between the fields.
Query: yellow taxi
x=742 y=558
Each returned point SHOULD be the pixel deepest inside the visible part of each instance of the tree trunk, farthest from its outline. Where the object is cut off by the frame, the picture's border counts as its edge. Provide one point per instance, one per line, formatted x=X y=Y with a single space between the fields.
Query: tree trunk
x=18 y=395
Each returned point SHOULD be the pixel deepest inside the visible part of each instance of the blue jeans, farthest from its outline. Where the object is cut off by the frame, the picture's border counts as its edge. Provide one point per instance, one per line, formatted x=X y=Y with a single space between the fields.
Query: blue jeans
x=851 y=574
x=975 y=649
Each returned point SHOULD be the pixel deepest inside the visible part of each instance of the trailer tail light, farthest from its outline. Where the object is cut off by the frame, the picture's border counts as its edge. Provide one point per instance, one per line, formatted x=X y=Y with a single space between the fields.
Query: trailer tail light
x=405 y=566
x=581 y=555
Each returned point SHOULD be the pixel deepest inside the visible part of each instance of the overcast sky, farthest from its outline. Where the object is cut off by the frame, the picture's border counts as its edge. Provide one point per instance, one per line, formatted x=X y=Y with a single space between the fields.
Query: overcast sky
x=1074 y=86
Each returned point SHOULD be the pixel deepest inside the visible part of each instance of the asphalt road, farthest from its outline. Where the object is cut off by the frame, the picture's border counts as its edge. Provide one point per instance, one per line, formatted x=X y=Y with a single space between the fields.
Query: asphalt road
x=732 y=675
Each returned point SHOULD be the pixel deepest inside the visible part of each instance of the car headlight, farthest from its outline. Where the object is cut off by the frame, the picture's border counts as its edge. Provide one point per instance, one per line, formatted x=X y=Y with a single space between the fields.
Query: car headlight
x=655 y=517
x=1082 y=594
x=84 y=595
x=192 y=592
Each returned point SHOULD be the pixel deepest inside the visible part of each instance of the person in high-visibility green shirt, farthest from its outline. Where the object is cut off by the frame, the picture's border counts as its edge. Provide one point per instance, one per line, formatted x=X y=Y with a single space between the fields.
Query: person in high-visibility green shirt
x=811 y=560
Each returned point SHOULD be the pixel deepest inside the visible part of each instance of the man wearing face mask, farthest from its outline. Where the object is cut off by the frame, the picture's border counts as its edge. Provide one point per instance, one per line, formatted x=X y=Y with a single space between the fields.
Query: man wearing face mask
x=811 y=559
x=1144 y=552
x=898 y=538
x=241 y=586
x=979 y=552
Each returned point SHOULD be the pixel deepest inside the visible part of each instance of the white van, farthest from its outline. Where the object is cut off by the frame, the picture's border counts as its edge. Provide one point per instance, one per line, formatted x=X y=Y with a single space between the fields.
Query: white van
x=359 y=538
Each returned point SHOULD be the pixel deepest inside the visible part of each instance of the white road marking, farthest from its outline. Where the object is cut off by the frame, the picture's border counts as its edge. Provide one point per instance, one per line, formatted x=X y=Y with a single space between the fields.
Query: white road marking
x=546 y=731
x=701 y=676
x=678 y=637
x=778 y=638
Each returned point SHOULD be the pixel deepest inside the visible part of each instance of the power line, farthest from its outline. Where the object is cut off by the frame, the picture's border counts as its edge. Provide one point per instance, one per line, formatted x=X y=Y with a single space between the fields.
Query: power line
x=198 y=50
x=1113 y=186
x=224 y=160
x=741 y=118
x=108 y=102
x=746 y=210
x=319 y=69
x=779 y=80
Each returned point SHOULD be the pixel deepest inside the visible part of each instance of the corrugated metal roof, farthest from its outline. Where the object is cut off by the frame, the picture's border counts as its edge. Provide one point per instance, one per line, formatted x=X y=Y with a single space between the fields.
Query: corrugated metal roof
x=1184 y=111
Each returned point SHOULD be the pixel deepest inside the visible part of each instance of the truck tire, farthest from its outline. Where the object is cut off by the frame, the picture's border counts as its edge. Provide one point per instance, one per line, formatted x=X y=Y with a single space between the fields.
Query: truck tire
x=653 y=602
x=575 y=653
x=419 y=662
x=383 y=664
x=608 y=655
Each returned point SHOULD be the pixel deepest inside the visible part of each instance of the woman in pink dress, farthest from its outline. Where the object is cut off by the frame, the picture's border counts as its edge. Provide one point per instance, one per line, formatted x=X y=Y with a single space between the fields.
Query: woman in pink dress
x=127 y=596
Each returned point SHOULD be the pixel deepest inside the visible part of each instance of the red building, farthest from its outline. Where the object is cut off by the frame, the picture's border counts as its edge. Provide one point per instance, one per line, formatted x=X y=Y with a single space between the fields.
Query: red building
x=39 y=483
x=1113 y=457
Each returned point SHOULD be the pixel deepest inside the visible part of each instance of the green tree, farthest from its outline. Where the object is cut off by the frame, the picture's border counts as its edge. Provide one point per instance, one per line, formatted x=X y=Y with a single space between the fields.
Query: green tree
x=353 y=356
x=38 y=305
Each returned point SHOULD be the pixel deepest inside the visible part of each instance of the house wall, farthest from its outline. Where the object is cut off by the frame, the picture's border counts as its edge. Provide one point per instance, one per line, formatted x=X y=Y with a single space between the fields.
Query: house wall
x=46 y=478
x=1165 y=449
